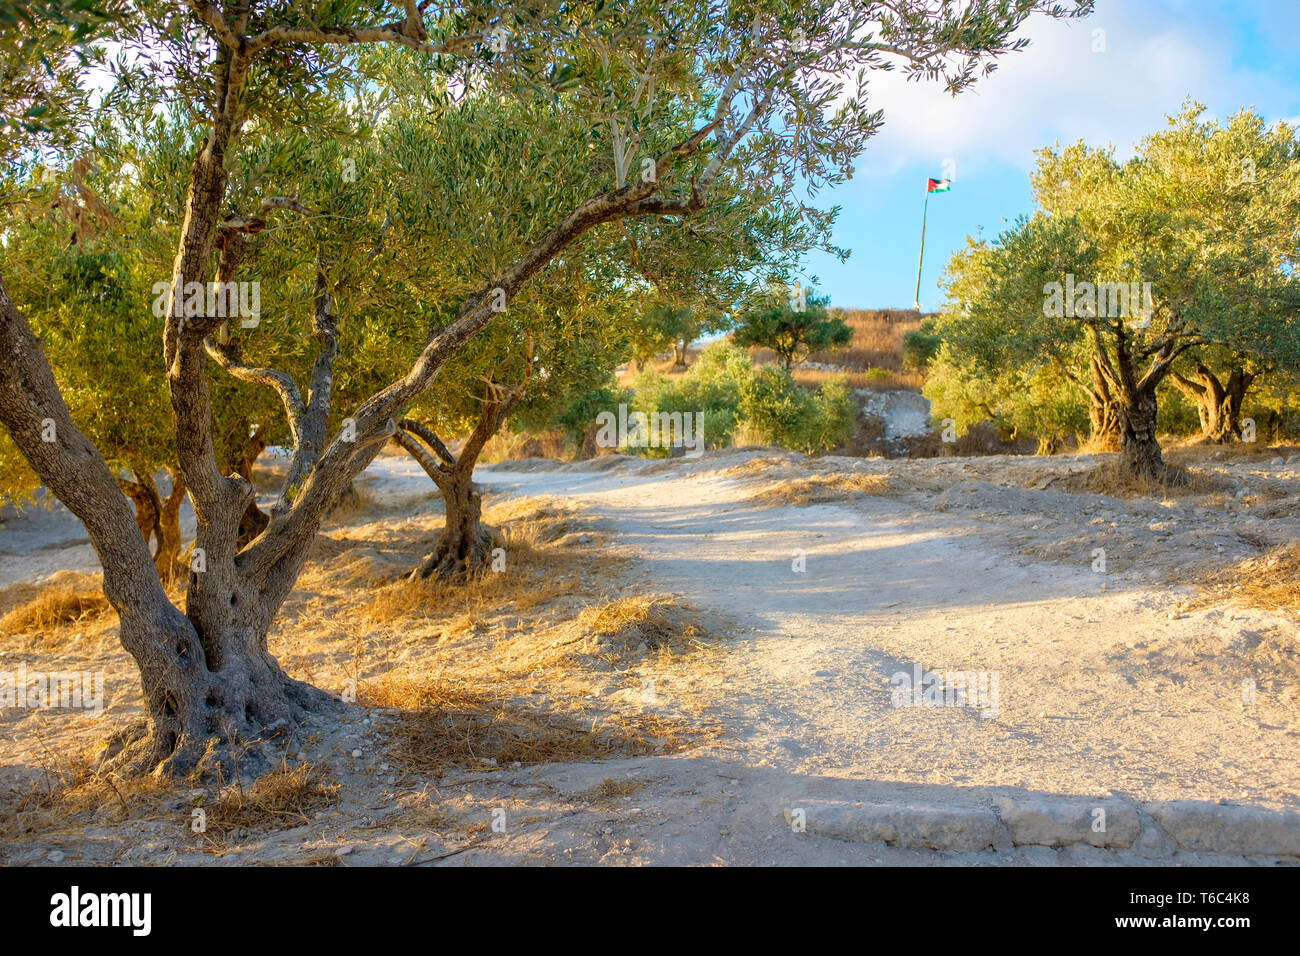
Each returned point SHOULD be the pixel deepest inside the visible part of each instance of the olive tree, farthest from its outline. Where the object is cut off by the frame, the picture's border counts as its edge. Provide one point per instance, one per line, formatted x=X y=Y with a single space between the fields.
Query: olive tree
x=768 y=80
x=1128 y=268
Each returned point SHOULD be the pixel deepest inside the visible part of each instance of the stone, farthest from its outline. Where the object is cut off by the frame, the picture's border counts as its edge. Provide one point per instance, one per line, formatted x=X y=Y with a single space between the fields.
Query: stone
x=1202 y=827
x=1065 y=821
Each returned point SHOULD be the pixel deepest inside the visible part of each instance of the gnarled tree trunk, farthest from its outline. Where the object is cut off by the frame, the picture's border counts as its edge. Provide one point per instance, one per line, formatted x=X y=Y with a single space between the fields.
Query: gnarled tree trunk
x=1105 y=431
x=208 y=683
x=158 y=518
x=1139 y=452
x=1218 y=404
x=255 y=520
x=464 y=545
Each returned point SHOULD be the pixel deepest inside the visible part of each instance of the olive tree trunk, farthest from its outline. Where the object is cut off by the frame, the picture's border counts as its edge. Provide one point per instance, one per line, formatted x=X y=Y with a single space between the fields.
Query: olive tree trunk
x=1218 y=404
x=1105 y=431
x=1139 y=451
x=464 y=546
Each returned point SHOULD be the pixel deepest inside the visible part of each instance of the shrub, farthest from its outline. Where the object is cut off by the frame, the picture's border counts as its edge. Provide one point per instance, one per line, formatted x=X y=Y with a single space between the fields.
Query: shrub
x=920 y=346
x=784 y=414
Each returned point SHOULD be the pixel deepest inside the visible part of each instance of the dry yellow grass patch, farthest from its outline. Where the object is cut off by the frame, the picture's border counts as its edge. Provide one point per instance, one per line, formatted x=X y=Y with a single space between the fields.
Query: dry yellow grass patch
x=822 y=489
x=1271 y=580
x=611 y=789
x=632 y=624
x=67 y=598
x=73 y=794
x=444 y=723
x=549 y=694
x=1111 y=480
x=875 y=378
x=278 y=800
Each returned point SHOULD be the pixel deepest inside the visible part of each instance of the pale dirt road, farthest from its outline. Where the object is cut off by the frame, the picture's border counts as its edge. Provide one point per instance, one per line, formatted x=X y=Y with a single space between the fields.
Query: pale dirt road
x=1111 y=698
x=1099 y=691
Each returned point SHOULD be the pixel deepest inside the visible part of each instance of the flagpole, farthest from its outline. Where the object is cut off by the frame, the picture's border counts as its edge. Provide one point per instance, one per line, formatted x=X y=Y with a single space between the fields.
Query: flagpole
x=921 y=257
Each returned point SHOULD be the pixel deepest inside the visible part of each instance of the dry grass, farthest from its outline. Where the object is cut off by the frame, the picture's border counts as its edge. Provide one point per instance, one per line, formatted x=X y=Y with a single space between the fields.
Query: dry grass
x=872 y=359
x=642 y=623
x=444 y=723
x=877 y=379
x=278 y=800
x=1113 y=481
x=71 y=794
x=544 y=661
x=1271 y=580
x=877 y=341
x=67 y=598
x=546 y=558
x=550 y=694
x=877 y=338
x=610 y=789
x=822 y=489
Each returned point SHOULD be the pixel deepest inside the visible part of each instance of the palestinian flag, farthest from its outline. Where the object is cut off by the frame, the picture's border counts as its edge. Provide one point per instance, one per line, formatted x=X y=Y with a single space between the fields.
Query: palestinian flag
x=938 y=185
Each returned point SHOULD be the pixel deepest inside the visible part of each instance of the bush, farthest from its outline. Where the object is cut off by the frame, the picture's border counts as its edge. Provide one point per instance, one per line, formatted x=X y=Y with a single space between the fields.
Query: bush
x=836 y=416
x=784 y=414
x=727 y=393
x=920 y=346
x=710 y=389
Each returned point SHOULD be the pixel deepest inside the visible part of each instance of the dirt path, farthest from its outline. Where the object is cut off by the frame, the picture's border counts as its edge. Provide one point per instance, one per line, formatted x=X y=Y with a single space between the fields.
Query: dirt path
x=1099 y=691
x=1100 y=694
x=1117 y=732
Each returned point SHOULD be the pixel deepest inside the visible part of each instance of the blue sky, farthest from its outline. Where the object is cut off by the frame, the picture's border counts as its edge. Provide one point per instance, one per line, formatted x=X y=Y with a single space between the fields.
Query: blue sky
x=1227 y=54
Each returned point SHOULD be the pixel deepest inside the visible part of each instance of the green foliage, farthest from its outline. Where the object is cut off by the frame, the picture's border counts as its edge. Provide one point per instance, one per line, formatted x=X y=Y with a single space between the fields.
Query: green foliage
x=1204 y=214
x=920 y=346
x=776 y=322
x=577 y=416
x=1020 y=400
x=781 y=413
x=712 y=387
x=731 y=395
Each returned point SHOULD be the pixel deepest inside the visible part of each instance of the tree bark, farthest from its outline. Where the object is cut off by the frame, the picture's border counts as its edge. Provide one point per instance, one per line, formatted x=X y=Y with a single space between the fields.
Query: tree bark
x=148 y=506
x=210 y=688
x=464 y=545
x=167 y=557
x=1103 y=411
x=158 y=519
x=1139 y=452
x=1218 y=404
x=254 y=520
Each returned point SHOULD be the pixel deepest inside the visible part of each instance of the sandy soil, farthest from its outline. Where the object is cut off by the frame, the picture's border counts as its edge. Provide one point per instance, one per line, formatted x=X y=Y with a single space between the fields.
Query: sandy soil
x=1119 y=689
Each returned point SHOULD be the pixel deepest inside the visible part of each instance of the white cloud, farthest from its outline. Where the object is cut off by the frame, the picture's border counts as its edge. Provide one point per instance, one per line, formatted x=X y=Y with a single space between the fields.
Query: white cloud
x=1060 y=89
